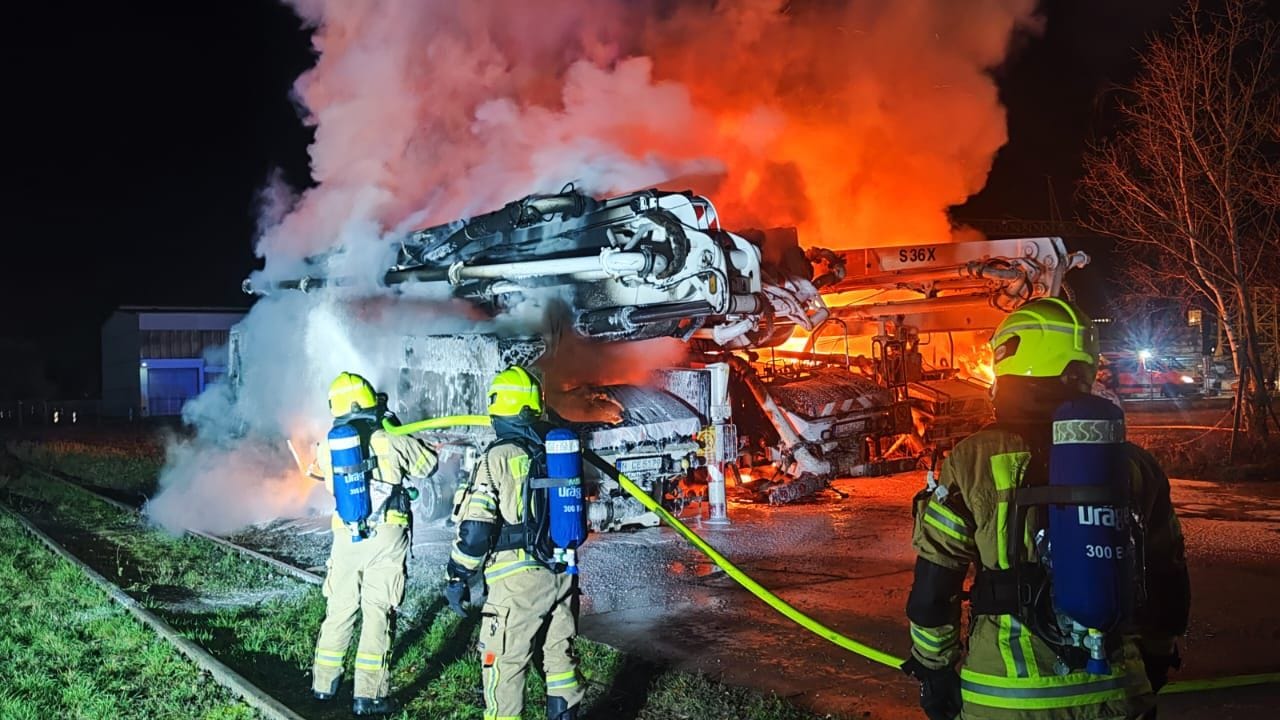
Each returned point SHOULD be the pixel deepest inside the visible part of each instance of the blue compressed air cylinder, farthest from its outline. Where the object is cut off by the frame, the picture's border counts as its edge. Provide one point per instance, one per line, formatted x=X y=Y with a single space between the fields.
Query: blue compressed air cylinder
x=350 y=489
x=1092 y=567
x=568 y=520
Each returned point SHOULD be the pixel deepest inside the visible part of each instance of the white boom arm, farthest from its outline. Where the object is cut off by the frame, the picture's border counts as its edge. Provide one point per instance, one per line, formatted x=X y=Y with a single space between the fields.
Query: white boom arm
x=952 y=286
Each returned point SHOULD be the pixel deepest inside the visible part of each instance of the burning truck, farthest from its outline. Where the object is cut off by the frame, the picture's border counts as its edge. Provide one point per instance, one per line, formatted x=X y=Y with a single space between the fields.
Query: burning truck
x=803 y=364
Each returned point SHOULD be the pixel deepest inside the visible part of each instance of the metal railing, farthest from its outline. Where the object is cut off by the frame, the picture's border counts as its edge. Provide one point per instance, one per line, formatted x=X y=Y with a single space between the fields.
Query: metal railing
x=21 y=413
x=60 y=413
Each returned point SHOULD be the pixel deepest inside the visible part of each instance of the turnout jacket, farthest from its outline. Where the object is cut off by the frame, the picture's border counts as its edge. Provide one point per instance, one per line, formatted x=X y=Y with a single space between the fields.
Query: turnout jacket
x=494 y=498
x=1008 y=673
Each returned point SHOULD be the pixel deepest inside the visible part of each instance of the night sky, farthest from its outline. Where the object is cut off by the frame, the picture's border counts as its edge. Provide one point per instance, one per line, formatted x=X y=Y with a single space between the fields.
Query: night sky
x=141 y=132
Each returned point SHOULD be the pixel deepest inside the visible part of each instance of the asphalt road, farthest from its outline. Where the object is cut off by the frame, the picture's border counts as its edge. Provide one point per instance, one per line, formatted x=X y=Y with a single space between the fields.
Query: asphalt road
x=847 y=562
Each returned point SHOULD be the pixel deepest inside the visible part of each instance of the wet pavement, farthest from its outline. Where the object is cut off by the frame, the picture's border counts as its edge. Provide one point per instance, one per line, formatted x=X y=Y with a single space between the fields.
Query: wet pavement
x=847 y=563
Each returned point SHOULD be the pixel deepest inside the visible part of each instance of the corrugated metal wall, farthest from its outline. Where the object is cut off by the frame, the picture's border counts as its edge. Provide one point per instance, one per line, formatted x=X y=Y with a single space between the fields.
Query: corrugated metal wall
x=165 y=344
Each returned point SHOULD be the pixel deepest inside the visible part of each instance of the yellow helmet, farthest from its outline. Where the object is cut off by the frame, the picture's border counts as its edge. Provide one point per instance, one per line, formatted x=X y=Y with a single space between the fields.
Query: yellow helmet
x=513 y=390
x=349 y=393
x=1043 y=337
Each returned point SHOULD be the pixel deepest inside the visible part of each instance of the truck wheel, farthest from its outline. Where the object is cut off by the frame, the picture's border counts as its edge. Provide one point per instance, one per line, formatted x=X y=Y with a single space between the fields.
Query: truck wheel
x=433 y=500
x=435 y=496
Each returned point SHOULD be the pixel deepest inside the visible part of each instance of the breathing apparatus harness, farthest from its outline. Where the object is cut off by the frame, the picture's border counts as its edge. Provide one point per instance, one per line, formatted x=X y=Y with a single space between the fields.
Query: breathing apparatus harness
x=553 y=524
x=522 y=535
x=1026 y=589
x=353 y=463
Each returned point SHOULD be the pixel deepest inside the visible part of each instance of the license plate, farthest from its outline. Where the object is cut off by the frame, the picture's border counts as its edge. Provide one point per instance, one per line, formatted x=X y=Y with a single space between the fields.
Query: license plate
x=637 y=465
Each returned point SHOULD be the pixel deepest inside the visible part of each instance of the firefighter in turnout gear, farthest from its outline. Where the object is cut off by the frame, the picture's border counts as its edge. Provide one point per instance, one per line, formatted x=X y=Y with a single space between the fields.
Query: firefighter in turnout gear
x=1027 y=659
x=497 y=540
x=366 y=567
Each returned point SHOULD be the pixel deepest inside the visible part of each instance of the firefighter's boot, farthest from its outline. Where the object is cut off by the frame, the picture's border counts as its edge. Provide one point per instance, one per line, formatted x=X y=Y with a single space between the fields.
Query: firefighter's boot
x=326 y=694
x=373 y=706
x=558 y=709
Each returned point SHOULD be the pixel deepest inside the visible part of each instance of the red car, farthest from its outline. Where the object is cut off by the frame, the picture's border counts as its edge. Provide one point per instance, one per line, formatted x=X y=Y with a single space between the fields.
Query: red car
x=1138 y=375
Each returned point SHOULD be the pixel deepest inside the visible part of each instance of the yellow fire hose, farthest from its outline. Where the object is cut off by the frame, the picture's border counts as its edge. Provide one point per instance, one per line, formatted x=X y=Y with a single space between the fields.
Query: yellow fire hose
x=434 y=423
x=827 y=633
x=763 y=593
x=734 y=572
x=1186 y=686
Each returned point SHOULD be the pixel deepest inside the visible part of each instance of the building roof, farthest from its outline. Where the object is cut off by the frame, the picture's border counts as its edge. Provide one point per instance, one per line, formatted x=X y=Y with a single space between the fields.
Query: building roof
x=175 y=318
x=183 y=309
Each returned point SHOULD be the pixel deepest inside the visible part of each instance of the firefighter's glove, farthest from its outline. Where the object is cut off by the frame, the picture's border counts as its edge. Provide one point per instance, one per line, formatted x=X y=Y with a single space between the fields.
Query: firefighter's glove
x=457 y=594
x=1158 y=667
x=939 y=689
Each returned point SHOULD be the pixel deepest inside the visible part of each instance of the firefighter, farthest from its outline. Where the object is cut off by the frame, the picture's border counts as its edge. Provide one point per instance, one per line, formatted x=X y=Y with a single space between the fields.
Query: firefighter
x=1046 y=353
x=366 y=573
x=498 y=536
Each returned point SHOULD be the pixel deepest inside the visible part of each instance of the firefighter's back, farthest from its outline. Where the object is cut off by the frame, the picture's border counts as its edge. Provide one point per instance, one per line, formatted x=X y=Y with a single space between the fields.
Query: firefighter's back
x=1010 y=673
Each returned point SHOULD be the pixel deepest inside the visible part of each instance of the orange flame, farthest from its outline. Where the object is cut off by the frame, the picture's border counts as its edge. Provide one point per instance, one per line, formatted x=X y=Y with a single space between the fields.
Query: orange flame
x=858 y=122
x=974 y=360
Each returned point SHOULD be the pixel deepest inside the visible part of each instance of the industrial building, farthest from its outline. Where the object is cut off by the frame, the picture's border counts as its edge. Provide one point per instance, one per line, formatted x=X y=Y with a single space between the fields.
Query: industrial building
x=154 y=359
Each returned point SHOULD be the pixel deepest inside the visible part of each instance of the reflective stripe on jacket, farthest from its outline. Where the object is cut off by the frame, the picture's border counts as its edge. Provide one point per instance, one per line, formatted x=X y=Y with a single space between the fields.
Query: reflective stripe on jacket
x=497 y=497
x=1009 y=673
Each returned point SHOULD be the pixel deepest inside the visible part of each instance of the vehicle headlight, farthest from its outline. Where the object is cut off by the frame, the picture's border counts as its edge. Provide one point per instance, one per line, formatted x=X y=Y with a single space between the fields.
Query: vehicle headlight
x=1188 y=379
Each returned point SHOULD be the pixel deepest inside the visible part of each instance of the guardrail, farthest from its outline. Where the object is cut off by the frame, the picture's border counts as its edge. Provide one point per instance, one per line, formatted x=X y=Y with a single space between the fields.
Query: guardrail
x=21 y=413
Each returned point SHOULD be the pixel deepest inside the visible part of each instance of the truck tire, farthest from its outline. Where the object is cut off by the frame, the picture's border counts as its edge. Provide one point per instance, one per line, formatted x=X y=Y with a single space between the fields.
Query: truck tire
x=435 y=497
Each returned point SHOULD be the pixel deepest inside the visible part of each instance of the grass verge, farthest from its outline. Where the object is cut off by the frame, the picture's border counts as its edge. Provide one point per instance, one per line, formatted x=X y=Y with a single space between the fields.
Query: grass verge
x=130 y=468
x=69 y=652
x=1203 y=455
x=436 y=672
x=140 y=559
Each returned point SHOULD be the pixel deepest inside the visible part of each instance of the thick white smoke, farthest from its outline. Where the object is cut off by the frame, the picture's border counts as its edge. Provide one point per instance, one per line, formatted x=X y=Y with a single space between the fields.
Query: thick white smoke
x=860 y=121
x=238 y=470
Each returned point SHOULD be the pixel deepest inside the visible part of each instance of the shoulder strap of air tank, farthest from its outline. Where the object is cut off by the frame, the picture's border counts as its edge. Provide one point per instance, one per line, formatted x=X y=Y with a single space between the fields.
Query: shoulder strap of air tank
x=498 y=442
x=1009 y=592
x=537 y=453
x=1033 y=481
x=364 y=425
x=518 y=442
x=511 y=536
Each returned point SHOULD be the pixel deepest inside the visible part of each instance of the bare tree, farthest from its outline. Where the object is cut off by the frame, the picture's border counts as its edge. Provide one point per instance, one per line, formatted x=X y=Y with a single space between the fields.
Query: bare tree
x=1190 y=184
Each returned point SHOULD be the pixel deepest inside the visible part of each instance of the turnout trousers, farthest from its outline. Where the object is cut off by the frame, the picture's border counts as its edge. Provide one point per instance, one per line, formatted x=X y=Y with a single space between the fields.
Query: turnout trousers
x=367 y=577
x=519 y=607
